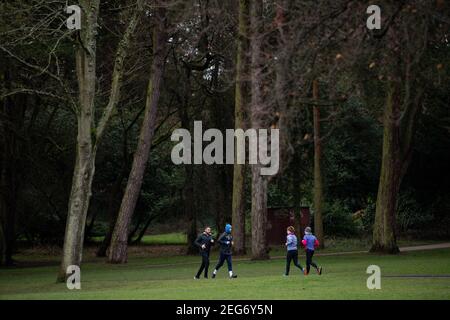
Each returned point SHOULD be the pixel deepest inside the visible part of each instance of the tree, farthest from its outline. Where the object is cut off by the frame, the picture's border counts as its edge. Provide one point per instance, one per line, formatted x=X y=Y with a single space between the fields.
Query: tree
x=258 y=115
x=318 y=177
x=89 y=135
x=119 y=241
x=407 y=44
x=11 y=112
x=242 y=94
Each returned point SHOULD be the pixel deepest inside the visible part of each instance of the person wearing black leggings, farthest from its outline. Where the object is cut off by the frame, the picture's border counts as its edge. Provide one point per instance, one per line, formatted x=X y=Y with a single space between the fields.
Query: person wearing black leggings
x=309 y=262
x=292 y=250
x=226 y=243
x=310 y=243
x=204 y=242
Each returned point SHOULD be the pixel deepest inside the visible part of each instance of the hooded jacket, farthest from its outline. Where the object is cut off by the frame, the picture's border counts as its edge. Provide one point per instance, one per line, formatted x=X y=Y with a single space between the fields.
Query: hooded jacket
x=225 y=241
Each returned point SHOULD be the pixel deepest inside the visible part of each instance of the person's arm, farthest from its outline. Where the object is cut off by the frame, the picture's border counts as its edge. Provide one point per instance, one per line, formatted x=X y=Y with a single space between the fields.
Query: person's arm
x=289 y=240
x=304 y=242
x=221 y=239
x=316 y=243
x=197 y=241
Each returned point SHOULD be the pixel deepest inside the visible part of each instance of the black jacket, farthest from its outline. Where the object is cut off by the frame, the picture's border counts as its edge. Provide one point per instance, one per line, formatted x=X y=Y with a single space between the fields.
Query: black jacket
x=204 y=239
x=225 y=243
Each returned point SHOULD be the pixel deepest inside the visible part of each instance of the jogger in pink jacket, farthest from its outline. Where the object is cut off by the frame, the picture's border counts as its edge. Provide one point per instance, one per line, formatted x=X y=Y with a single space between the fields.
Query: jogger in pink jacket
x=310 y=243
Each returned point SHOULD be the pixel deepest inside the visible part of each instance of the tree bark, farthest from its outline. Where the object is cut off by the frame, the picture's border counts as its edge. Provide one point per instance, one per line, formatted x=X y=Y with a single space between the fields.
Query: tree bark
x=85 y=153
x=113 y=210
x=259 y=215
x=405 y=88
x=384 y=235
x=189 y=189
x=259 y=115
x=119 y=241
x=189 y=183
x=318 y=182
x=191 y=216
x=296 y=194
x=242 y=93
x=12 y=109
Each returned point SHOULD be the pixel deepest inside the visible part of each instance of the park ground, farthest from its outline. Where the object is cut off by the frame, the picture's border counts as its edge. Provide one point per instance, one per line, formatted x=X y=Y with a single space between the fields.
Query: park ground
x=162 y=272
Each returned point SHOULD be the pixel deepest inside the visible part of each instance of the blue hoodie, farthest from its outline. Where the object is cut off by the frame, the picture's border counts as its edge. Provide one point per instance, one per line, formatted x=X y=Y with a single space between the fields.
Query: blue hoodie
x=225 y=241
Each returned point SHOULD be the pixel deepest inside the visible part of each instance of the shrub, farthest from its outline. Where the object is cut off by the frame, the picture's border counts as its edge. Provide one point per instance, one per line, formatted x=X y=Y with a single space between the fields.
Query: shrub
x=367 y=217
x=410 y=215
x=338 y=221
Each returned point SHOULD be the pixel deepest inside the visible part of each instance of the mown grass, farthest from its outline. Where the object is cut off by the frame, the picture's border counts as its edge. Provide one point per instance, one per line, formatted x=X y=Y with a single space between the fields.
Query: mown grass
x=174 y=238
x=332 y=244
x=172 y=278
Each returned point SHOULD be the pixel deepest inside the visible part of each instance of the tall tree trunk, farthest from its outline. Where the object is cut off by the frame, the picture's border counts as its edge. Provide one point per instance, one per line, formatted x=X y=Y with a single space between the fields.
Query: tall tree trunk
x=296 y=194
x=384 y=236
x=119 y=241
x=113 y=210
x=89 y=135
x=188 y=191
x=259 y=215
x=85 y=154
x=404 y=94
x=259 y=114
x=241 y=103
x=318 y=182
x=12 y=109
x=189 y=209
x=238 y=209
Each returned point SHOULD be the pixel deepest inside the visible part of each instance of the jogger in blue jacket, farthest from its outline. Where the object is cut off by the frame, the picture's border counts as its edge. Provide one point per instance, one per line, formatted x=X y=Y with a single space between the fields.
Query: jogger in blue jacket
x=292 y=251
x=226 y=243
x=310 y=243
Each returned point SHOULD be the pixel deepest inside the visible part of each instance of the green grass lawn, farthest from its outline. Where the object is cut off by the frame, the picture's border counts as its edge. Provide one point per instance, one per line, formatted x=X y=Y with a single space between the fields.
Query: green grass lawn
x=333 y=244
x=172 y=278
x=175 y=238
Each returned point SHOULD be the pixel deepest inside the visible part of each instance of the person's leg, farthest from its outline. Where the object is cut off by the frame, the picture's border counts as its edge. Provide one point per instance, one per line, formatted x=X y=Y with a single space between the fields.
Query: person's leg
x=229 y=263
x=295 y=259
x=206 y=261
x=219 y=264
x=288 y=262
x=230 y=266
x=200 y=270
x=314 y=264
x=308 y=260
